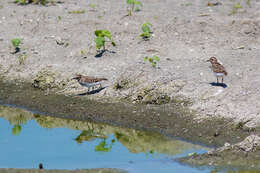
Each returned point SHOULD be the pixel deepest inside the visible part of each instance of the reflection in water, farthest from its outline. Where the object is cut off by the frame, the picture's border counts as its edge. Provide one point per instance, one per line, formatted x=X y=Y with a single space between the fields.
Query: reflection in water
x=16 y=130
x=103 y=146
x=135 y=141
x=244 y=171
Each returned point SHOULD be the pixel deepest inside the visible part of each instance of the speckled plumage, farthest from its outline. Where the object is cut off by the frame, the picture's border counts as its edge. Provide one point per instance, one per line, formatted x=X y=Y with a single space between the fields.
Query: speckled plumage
x=218 y=69
x=88 y=81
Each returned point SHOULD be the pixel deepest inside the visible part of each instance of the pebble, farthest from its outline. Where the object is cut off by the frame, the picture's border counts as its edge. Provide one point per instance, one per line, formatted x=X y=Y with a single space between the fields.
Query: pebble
x=227 y=144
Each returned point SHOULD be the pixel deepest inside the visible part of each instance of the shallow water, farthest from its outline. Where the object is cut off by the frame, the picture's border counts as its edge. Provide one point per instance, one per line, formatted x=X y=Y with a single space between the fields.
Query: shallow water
x=28 y=139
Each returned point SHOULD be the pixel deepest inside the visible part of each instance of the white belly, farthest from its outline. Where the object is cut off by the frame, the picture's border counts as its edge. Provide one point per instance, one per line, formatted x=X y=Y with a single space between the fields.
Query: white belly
x=219 y=74
x=90 y=84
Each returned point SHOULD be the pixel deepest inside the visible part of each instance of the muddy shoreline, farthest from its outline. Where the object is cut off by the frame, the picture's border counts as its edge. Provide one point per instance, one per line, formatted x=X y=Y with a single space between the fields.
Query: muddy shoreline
x=169 y=120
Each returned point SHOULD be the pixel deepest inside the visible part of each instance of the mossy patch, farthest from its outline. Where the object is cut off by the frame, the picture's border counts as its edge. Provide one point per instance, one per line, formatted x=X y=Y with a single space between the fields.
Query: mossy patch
x=123 y=83
x=45 y=79
x=151 y=95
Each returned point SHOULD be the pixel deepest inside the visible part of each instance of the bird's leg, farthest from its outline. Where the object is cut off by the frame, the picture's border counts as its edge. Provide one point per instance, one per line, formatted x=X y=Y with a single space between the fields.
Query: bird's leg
x=217 y=79
x=222 y=79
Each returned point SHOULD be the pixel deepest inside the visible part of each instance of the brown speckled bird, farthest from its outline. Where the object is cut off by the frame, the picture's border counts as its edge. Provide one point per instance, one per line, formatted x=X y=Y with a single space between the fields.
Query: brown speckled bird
x=217 y=68
x=88 y=81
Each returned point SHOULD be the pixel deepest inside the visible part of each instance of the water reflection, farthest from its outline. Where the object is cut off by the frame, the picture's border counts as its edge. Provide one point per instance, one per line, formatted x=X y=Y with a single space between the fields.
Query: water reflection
x=135 y=141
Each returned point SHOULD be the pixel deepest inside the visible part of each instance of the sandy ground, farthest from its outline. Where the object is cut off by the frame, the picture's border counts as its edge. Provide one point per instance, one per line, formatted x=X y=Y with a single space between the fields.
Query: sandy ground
x=185 y=35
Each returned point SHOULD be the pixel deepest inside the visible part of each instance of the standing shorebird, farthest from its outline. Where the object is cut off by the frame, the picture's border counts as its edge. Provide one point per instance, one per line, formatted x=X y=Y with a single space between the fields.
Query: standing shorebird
x=88 y=81
x=217 y=68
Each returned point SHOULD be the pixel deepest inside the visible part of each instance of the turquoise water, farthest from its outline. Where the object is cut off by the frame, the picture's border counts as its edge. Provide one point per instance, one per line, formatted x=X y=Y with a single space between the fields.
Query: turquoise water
x=28 y=139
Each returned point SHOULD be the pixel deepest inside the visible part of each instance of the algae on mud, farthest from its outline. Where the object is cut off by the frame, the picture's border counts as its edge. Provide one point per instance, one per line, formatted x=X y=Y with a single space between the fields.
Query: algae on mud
x=170 y=120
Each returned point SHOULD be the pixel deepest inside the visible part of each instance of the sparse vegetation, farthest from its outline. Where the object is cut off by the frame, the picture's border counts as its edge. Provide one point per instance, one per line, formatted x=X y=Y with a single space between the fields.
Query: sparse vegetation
x=25 y=2
x=16 y=43
x=21 y=59
x=133 y=5
x=100 y=39
x=92 y=6
x=77 y=12
x=235 y=8
x=153 y=60
x=146 y=31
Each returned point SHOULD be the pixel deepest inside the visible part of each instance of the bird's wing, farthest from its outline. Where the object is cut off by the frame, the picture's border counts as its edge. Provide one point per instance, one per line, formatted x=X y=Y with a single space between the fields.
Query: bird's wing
x=218 y=68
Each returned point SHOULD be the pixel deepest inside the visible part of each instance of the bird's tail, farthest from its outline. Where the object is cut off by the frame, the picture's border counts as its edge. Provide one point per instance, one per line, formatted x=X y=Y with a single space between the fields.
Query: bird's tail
x=103 y=79
x=225 y=73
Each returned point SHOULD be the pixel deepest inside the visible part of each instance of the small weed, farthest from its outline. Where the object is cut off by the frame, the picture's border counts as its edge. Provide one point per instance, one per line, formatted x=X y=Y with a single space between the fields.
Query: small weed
x=25 y=2
x=59 y=17
x=153 y=60
x=77 y=12
x=21 y=59
x=248 y=3
x=100 y=39
x=237 y=5
x=146 y=31
x=133 y=5
x=16 y=43
x=82 y=52
x=188 y=4
x=92 y=6
x=235 y=8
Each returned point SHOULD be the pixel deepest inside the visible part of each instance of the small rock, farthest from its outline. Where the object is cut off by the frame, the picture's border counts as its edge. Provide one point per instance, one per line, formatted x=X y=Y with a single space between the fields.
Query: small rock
x=227 y=144
x=216 y=134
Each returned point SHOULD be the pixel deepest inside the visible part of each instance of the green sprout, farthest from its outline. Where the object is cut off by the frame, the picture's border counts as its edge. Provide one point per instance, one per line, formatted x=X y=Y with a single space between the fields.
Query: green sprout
x=235 y=8
x=146 y=31
x=16 y=43
x=21 y=59
x=92 y=6
x=153 y=60
x=77 y=12
x=134 y=5
x=100 y=39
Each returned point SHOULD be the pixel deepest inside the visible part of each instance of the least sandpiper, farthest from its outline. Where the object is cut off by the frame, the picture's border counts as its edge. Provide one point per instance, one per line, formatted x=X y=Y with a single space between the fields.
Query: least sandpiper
x=217 y=68
x=88 y=81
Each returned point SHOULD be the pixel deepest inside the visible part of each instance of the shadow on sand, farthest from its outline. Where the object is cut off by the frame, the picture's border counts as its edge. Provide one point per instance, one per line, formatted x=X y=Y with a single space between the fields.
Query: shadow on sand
x=223 y=85
x=100 y=53
x=92 y=92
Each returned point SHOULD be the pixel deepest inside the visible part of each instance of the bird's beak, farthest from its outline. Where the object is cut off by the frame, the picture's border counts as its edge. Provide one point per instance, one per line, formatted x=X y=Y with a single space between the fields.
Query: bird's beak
x=208 y=60
x=75 y=78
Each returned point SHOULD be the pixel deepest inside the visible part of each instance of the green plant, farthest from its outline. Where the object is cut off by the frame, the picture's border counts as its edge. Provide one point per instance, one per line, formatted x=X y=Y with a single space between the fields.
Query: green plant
x=100 y=39
x=21 y=59
x=92 y=6
x=77 y=12
x=16 y=43
x=153 y=60
x=235 y=8
x=134 y=5
x=146 y=31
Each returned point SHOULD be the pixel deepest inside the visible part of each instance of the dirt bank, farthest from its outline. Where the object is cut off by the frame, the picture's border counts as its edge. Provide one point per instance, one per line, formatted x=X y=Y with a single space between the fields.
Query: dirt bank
x=244 y=156
x=59 y=37
x=171 y=120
